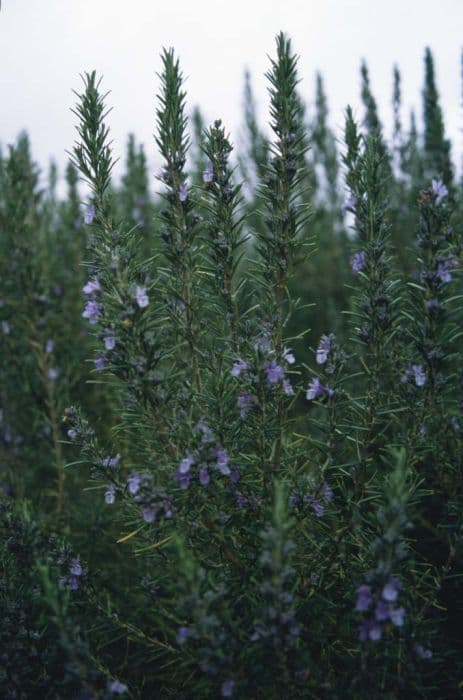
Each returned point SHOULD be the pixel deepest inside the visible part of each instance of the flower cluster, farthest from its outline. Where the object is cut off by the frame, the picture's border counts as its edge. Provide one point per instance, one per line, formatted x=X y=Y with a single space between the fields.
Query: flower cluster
x=73 y=570
x=213 y=642
x=93 y=309
x=310 y=496
x=415 y=372
x=266 y=368
x=317 y=390
x=153 y=502
x=379 y=607
x=207 y=458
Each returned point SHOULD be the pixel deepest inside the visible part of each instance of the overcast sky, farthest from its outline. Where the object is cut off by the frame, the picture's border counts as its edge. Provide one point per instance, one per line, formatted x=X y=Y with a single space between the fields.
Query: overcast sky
x=46 y=44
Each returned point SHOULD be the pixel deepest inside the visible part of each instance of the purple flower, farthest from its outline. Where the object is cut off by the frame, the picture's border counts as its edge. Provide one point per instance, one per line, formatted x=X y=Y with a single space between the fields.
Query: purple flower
x=421 y=652
x=204 y=477
x=141 y=297
x=100 y=362
x=205 y=430
x=109 y=342
x=327 y=492
x=288 y=356
x=6 y=328
x=227 y=688
x=244 y=403
x=149 y=514
x=397 y=616
x=92 y=287
x=92 y=312
x=241 y=501
x=235 y=475
x=317 y=507
x=110 y=494
x=275 y=372
x=358 y=261
x=52 y=374
x=349 y=204
x=315 y=390
x=75 y=567
x=73 y=583
x=375 y=632
x=208 y=174
x=415 y=371
x=89 y=214
x=419 y=375
x=323 y=349
x=443 y=271
x=49 y=345
x=183 y=480
x=111 y=462
x=222 y=461
x=364 y=598
x=182 y=634
x=117 y=688
x=439 y=190
x=370 y=630
x=382 y=611
x=238 y=367
x=287 y=387
x=185 y=464
x=72 y=434
x=134 y=482
x=183 y=192
x=390 y=591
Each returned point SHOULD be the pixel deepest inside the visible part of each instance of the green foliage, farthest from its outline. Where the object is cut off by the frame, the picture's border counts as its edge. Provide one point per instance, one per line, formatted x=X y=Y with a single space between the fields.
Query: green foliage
x=230 y=468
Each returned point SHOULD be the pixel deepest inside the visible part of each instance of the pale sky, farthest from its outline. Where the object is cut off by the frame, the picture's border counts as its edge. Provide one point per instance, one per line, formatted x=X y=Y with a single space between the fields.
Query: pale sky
x=46 y=44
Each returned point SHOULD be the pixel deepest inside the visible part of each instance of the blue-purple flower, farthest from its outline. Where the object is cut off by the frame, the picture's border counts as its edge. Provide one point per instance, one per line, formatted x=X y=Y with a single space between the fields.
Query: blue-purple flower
x=109 y=341
x=317 y=390
x=323 y=349
x=183 y=192
x=92 y=311
x=244 y=403
x=91 y=288
x=439 y=190
x=239 y=367
x=182 y=634
x=117 y=688
x=100 y=362
x=133 y=483
x=391 y=589
x=110 y=494
x=222 y=460
x=208 y=174
x=227 y=688
x=443 y=271
x=358 y=261
x=89 y=214
x=349 y=204
x=416 y=372
x=364 y=598
x=6 y=328
x=141 y=297
x=275 y=372
x=288 y=356
x=149 y=514
x=111 y=462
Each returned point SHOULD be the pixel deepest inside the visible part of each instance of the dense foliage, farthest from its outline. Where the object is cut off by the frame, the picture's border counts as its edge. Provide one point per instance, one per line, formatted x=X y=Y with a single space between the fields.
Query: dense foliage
x=231 y=414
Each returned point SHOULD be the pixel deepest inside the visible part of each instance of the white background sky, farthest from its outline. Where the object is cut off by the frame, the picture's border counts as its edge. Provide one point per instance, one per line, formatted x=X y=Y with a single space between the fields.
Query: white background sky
x=45 y=44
